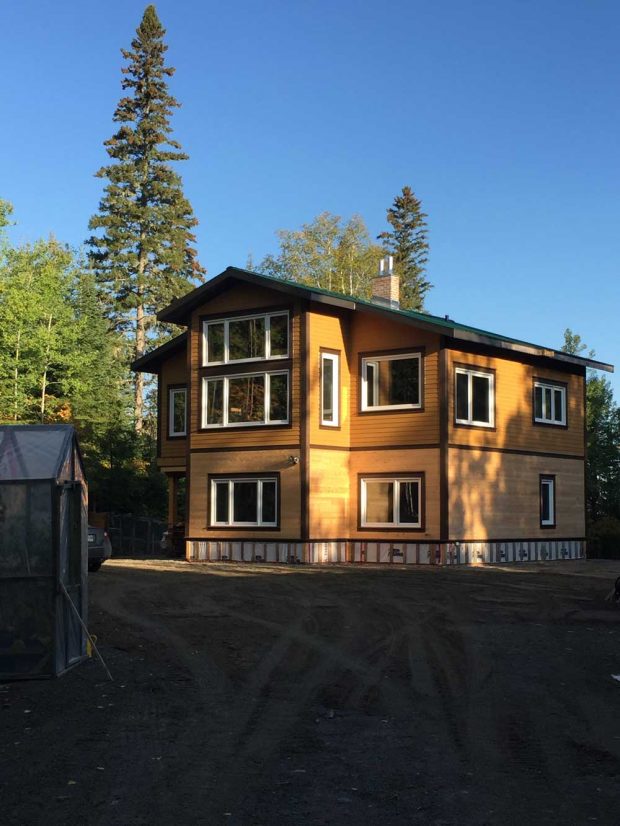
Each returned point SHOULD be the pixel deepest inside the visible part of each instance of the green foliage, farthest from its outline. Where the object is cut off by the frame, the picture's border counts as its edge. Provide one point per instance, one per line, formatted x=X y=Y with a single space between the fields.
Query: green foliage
x=604 y=538
x=407 y=242
x=603 y=440
x=143 y=254
x=328 y=254
x=6 y=210
x=61 y=362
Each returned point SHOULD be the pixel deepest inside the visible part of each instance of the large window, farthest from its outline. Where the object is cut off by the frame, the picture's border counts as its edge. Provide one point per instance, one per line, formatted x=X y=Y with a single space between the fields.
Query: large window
x=251 y=338
x=244 y=502
x=177 y=411
x=330 y=389
x=246 y=400
x=391 y=502
x=391 y=382
x=474 y=397
x=547 y=501
x=549 y=403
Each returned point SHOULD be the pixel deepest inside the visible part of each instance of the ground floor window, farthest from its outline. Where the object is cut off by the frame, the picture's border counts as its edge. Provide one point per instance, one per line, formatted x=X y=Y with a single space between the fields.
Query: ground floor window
x=244 y=502
x=391 y=502
x=547 y=501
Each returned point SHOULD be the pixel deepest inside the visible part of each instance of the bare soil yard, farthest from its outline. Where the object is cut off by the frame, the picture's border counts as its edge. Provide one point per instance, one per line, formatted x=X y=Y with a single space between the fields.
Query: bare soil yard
x=255 y=694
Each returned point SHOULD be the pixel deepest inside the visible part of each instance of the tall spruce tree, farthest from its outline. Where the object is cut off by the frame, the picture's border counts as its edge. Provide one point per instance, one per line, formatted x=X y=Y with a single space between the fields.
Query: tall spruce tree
x=143 y=255
x=407 y=242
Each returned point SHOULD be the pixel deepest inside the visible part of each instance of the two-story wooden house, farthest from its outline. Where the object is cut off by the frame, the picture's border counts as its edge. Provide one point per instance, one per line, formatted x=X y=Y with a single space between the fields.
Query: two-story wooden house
x=316 y=427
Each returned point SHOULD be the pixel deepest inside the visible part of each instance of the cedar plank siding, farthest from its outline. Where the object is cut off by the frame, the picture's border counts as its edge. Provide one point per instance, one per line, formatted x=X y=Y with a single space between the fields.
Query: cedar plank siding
x=255 y=461
x=400 y=463
x=172 y=452
x=497 y=496
x=418 y=427
x=330 y=493
x=330 y=330
x=514 y=428
x=236 y=300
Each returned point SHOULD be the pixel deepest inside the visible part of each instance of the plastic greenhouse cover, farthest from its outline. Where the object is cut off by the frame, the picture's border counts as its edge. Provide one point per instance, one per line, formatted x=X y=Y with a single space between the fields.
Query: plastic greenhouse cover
x=33 y=451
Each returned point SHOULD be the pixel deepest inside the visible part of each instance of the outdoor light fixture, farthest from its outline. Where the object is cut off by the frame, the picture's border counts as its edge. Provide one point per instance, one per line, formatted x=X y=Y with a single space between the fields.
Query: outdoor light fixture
x=294 y=460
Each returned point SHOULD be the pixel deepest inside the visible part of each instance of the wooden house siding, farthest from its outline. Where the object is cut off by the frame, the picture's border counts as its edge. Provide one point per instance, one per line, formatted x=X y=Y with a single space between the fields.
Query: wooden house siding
x=276 y=461
x=400 y=462
x=241 y=299
x=514 y=426
x=328 y=331
x=496 y=495
x=330 y=493
x=409 y=427
x=173 y=373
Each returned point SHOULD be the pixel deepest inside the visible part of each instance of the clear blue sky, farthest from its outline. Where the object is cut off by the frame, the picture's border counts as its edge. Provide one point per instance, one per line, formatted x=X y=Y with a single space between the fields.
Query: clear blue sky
x=503 y=115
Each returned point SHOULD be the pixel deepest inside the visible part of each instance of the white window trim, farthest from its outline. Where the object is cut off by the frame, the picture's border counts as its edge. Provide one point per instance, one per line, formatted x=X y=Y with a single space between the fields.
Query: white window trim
x=550 y=483
x=226 y=323
x=226 y=379
x=171 y=394
x=335 y=400
x=396 y=480
x=553 y=387
x=231 y=488
x=376 y=407
x=470 y=373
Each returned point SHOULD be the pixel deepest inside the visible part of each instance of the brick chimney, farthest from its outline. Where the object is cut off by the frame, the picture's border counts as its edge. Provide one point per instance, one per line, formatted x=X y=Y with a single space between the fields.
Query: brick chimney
x=385 y=289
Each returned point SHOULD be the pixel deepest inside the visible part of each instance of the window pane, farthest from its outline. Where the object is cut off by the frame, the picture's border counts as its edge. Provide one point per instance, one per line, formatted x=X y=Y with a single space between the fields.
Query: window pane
x=221 y=502
x=327 y=377
x=462 y=396
x=245 y=501
x=370 y=384
x=246 y=399
x=538 y=402
x=547 y=402
x=408 y=502
x=269 y=502
x=545 y=501
x=215 y=342
x=278 y=397
x=558 y=398
x=246 y=339
x=379 y=501
x=178 y=411
x=279 y=335
x=399 y=382
x=481 y=399
x=215 y=401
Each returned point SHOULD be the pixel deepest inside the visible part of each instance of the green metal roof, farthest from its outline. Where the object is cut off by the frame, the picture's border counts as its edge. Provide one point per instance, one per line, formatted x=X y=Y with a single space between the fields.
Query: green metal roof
x=178 y=311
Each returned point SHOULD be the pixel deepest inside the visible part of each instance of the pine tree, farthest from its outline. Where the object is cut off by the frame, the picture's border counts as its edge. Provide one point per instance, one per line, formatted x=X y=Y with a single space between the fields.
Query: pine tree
x=143 y=256
x=407 y=242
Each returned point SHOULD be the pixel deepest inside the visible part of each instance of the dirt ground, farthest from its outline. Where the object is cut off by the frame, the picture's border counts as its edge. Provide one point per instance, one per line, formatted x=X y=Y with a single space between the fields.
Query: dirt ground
x=256 y=694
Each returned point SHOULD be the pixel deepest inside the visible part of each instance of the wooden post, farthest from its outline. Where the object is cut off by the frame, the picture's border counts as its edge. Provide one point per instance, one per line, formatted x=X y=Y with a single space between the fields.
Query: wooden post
x=172 y=499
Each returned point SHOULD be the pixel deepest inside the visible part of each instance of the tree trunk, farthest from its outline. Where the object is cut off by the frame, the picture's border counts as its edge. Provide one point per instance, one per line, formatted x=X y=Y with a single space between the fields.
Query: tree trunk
x=140 y=343
x=16 y=376
x=45 y=369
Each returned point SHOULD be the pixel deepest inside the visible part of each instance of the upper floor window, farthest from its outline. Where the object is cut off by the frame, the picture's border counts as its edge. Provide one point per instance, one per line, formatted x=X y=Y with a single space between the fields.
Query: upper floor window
x=330 y=389
x=177 y=412
x=249 y=338
x=549 y=403
x=391 y=382
x=247 y=400
x=474 y=397
x=391 y=503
